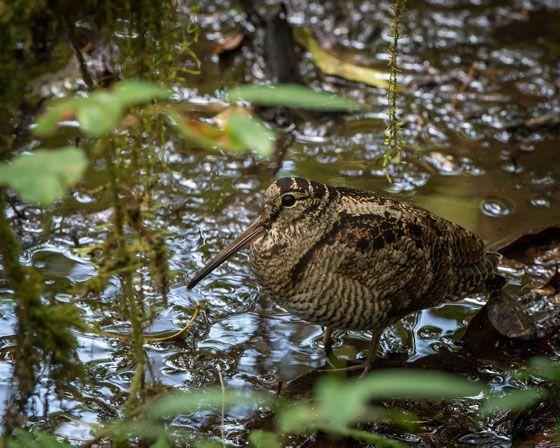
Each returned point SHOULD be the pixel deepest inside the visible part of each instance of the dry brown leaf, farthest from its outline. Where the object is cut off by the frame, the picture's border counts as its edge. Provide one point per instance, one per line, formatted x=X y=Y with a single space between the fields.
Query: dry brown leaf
x=223 y=117
x=228 y=43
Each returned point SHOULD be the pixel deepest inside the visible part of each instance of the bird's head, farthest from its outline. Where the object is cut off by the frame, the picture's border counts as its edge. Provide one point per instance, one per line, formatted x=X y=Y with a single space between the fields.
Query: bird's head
x=290 y=204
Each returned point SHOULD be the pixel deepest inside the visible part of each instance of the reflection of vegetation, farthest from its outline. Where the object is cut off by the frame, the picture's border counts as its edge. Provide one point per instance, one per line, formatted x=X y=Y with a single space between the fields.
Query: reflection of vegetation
x=44 y=332
x=161 y=50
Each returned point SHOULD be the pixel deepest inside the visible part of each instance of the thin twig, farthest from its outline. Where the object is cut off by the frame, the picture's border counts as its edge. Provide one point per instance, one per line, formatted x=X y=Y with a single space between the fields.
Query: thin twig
x=223 y=410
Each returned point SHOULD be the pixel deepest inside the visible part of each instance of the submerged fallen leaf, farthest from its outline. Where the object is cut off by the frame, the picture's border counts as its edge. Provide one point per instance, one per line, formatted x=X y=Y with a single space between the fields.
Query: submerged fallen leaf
x=547 y=120
x=174 y=334
x=333 y=65
x=519 y=245
x=510 y=317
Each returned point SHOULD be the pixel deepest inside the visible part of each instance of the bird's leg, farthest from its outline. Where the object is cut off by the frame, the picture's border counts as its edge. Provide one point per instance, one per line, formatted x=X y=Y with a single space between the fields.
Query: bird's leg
x=372 y=350
x=327 y=341
x=332 y=360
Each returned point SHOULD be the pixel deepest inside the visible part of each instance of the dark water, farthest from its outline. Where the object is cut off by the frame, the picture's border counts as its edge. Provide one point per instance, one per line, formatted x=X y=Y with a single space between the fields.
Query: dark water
x=476 y=74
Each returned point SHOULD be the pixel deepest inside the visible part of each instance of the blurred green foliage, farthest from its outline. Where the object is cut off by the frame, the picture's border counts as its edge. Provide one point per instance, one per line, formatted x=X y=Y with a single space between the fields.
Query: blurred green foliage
x=247 y=132
x=335 y=408
x=339 y=405
x=102 y=111
x=291 y=96
x=264 y=439
x=43 y=176
x=35 y=439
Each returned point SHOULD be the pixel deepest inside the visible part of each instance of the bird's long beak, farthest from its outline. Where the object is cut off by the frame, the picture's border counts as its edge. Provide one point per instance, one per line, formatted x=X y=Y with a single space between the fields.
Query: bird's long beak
x=253 y=231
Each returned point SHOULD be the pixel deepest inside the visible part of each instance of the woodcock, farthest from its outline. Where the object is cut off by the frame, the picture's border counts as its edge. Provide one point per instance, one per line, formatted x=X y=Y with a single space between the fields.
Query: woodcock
x=350 y=259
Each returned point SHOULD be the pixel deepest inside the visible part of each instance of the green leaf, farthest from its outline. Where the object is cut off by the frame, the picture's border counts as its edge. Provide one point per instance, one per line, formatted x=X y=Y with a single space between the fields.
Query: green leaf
x=411 y=384
x=102 y=111
x=161 y=442
x=99 y=114
x=298 y=418
x=123 y=430
x=208 y=444
x=340 y=403
x=264 y=439
x=416 y=384
x=187 y=402
x=48 y=121
x=36 y=439
x=545 y=368
x=133 y=92
x=370 y=437
x=250 y=133
x=291 y=96
x=44 y=176
x=513 y=401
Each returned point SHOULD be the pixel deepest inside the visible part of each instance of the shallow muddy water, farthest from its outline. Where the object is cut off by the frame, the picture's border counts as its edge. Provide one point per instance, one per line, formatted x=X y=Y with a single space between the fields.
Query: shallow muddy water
x=478 y=76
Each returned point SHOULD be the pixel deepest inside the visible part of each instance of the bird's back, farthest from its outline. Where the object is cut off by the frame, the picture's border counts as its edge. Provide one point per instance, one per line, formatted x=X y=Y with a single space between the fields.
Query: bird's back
x=385 y=258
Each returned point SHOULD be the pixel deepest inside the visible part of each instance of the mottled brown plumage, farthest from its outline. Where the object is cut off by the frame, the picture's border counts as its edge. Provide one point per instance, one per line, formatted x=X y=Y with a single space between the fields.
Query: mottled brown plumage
x=357 y=260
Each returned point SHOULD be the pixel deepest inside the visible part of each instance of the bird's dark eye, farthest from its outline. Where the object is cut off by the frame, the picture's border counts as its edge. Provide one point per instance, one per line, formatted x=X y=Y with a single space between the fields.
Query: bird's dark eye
x=288 y=200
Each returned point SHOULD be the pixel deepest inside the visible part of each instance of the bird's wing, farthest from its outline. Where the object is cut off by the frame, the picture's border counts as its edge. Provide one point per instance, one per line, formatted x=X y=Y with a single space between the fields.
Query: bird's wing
x=404 y=254
x=381 y=253
x=368 y=267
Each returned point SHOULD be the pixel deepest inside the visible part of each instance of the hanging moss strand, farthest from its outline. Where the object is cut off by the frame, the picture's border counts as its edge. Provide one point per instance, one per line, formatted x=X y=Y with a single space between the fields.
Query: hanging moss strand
x=393 y=137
